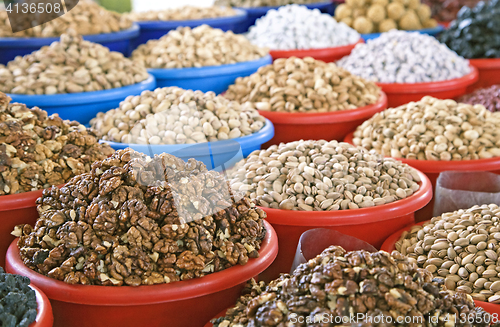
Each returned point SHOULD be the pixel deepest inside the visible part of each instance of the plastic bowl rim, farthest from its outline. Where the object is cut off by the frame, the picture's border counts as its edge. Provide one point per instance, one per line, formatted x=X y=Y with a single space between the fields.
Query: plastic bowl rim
x=31 y=42
x=21 y=200
x=218 y=147
x=44 y=308
x=433 y=87
x=354 y=216
x=486 y=63
x=258 y=10
x=316 y=52
x=439 y=166
x=327 y=117
x=148 y=294
x=209 y=71
x=150 y=25
x=68 y=99
x=433 y=30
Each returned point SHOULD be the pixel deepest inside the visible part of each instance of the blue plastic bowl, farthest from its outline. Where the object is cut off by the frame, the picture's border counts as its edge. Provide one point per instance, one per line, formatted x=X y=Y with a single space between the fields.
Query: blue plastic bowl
x=210 y=78
x=430 y=31
x=84 y=106
x=257 y=12
x=10 y=47
x=218 y=155
x=151 y=30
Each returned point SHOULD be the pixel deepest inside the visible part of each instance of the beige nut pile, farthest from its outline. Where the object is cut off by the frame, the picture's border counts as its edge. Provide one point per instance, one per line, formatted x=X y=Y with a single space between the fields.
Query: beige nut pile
x=70 y=65
x=38 y=151
x=378 y=16
x=86 y=17
x=303 y=85
x=321 y=175
x=172 y=115
x=183 y=13
x=261 y=3
x=462 y=247
x=198 y=47
x=432 y=129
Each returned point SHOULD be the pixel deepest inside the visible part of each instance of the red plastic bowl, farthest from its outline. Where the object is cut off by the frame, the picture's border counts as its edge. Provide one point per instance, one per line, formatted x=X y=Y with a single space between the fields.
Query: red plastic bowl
x=389 y=246
x=402 y=93
x=433 y=168
x=44 y=317
x=335 y=125
x=15 y=209
x=489 y=73
x=372 y=225
x=326 y=54
x=180 y=304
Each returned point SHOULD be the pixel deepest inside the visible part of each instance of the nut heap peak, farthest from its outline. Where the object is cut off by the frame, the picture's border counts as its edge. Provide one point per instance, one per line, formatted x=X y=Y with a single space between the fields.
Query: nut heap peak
x=373 y=289
x=139 y=220
x=71 y=65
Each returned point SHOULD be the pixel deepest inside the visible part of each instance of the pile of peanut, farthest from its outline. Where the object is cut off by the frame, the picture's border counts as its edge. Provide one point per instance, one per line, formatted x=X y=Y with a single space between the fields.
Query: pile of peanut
x=71 y=65
x=197 y=47
x=183 y=13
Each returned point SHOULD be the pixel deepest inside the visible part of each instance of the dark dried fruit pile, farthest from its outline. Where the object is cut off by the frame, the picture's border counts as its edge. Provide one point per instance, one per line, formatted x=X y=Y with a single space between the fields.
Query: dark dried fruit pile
x=138 y=220
x=488 y=97
x=17 y=301
x=447 y=10
x=38 y=151
x=476 y=32
x=339 y=284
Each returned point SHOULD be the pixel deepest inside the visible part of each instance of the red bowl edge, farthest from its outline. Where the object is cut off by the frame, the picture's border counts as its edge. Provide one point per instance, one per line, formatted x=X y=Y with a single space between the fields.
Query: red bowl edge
x=44 y=317
x=314 y=52
x=141 y=295
x=20 y=200
x=486 y=63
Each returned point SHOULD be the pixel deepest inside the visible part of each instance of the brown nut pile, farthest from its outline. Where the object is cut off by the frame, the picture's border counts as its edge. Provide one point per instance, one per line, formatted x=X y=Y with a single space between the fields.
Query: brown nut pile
x=87 y=17
x=183 y=13
x=462 y=247
x=489 y=97
x=262 y=3
x=321 y=176
x=198 y=47
x=378 y=16
x=303 y=85
x=432 y=129
x=138 y=220
x=38 y=151
x=172 y=115
x=70 y=65
x=447 y=10
x=358 y=288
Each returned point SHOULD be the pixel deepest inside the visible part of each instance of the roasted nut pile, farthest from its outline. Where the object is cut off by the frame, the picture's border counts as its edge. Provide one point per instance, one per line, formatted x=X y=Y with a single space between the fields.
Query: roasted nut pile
x=462 y=247
x=183 y=13
x=138 y=220
x=476 y=32
x=337 y=285
x=447 y=10
x=321 y=175
x=37 y=151
x=71 y=65
x=488 y=97
x=303 y=85
x=432 y=129
x=17 y=301
x=85 y=18
x=197 y=47
x=261 y=3
x=172 y=115
x=405 y=57
x=377 y=16
x=296 y=27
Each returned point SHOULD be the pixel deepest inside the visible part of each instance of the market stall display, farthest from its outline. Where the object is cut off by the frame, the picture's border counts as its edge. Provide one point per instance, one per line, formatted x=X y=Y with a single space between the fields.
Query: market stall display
x=293 y=30
x=338 y=284
x=156 y=23
x=73 y=66
x=333 y=185
x=308 y=86
x=409 y=65
x=206 y=53
x=489 y=97
x=87 y=18
x=36 y=152
x=380 y=16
